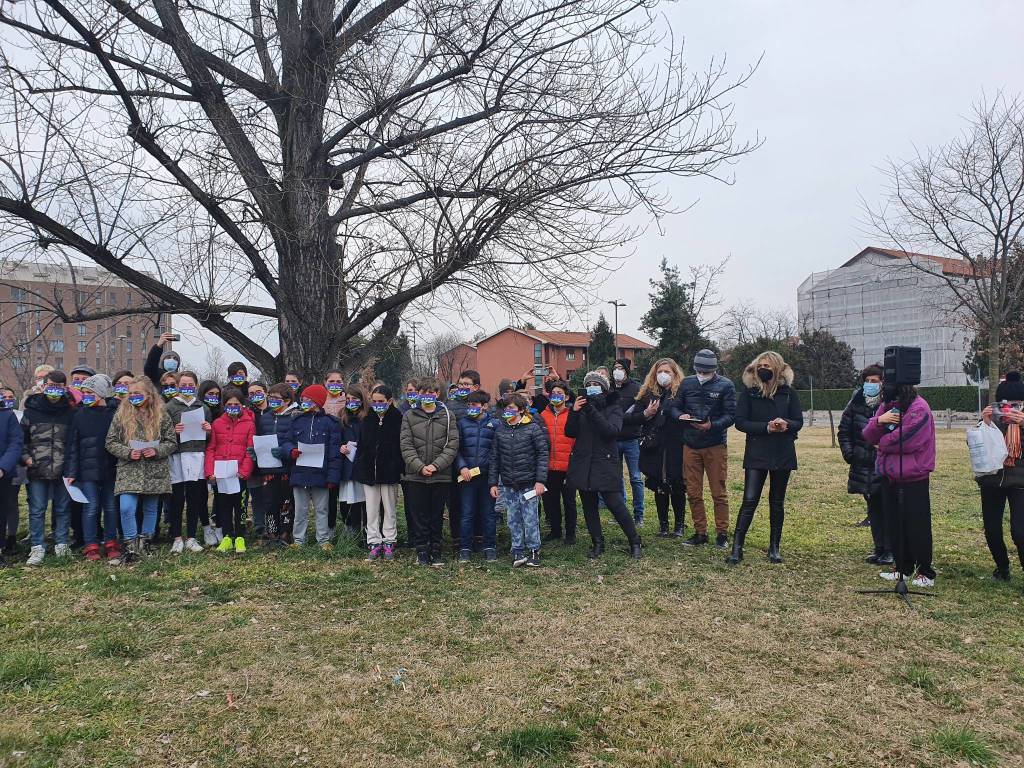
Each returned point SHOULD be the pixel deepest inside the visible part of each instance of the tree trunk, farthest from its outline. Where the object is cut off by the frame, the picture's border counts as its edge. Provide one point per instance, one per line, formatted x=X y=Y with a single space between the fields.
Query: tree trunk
x=994 y=338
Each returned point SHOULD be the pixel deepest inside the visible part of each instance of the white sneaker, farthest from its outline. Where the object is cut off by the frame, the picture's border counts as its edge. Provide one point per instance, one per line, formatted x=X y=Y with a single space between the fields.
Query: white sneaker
x=193 y=546
x=36 y=555
x=890 y=575
x=178 y=546
x=209 y=537
x=62 y=550
x=923 y=581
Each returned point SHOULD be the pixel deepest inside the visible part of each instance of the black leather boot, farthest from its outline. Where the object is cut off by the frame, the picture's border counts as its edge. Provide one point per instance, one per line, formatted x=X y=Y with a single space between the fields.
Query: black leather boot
x=776 y=518
x=596 y=550
x=636 y=550
x=739 y=537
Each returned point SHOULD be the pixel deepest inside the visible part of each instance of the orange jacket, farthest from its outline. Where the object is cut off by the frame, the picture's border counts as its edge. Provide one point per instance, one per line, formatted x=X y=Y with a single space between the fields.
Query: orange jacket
x=561 y=446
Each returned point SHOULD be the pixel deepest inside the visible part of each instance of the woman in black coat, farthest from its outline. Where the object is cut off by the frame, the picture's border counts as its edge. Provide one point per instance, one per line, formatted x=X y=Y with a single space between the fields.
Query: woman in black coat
x=768 y=411
x=594 y=469
x=860 y=455
x=661 y=442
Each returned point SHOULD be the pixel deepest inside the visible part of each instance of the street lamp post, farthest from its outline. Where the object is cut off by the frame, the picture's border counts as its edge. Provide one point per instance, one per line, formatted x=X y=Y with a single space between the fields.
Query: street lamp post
x=616 y=303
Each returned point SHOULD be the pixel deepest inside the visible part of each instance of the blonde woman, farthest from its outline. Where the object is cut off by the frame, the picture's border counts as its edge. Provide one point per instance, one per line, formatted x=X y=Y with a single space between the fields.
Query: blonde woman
x=768 y=411
x=143 y=474
x=661 y=442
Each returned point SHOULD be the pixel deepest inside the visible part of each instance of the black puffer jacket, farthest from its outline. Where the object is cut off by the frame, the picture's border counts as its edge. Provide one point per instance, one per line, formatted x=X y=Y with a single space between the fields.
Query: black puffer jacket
x=627 y=397
x=594 y=463
x=87 y=459
x=858 y=453
x=764 y=449
x=661 y=441
x=379 y=455
x=45 y=426
x=519 y=454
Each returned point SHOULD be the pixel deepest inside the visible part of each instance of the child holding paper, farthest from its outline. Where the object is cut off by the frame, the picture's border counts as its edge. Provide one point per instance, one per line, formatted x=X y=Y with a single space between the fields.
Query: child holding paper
x=276 y=420
x=350 y=493
x=143 y=473
x=313 y=479
x=378 y=467
x=188 y=479
x=230 y=441
x=517 y=473
x=476 y=436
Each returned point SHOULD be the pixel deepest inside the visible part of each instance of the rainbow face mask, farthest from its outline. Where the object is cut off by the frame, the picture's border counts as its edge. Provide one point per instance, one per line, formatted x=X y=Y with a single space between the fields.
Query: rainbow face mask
x=353 y=405
x=89 y=398
x=379 y=407
x=54 y=393
x=136 y=399
x=334 y=388
x=120 y=391
x=169 y=391
x=474 y=411
x=257 y=397
x=307 y=405
x=238 y=379
x=212 y=400
x=233 y=410
x=187 y=391
x=275 y=403
x=428 y=399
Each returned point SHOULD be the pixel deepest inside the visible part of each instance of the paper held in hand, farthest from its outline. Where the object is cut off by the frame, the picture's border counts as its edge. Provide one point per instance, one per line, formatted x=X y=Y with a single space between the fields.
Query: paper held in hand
x=310 y=455
x=226 y=473
x=351 y=455
x=142 y=445
x=263 y=445
x=474 y=472
x=192 y=421
x=532 y=493
x=75 y=493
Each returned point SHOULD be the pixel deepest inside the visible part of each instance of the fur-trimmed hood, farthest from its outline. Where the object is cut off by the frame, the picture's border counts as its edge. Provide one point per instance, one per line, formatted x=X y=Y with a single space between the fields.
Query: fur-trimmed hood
x=750 y=376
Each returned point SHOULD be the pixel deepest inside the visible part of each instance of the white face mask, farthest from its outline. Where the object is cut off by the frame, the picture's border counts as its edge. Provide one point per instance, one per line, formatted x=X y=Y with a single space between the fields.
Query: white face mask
x=619 y=375
x=664 y=378
x=703 y=378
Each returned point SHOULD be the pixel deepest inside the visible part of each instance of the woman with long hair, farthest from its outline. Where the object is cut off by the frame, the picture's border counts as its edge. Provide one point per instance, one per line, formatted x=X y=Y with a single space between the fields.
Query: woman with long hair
x=661 y=442
x=768 y=411
x=143 y=473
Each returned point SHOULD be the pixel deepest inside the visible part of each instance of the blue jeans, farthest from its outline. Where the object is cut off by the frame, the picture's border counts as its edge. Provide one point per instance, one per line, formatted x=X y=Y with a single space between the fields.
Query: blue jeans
x=630 y=451
x=476 y=503
x=129 y=502
x=523 y=519
x=40 y=493
x=101 y=497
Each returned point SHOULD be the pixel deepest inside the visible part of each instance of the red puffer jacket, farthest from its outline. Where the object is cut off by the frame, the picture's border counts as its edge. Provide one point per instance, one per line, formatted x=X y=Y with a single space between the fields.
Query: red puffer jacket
x=229 y=440
x=561 y=446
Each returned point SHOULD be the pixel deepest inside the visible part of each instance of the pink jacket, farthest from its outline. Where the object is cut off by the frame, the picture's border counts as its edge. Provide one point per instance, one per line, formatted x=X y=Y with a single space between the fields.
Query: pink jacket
x=918 y=447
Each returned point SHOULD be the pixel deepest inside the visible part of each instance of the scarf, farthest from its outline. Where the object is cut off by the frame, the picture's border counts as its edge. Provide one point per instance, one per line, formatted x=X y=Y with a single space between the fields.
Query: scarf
x=1012 y=444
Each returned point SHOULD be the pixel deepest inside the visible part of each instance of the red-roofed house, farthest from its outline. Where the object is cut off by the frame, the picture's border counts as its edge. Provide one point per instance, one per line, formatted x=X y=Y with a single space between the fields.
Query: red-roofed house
x=511 y=351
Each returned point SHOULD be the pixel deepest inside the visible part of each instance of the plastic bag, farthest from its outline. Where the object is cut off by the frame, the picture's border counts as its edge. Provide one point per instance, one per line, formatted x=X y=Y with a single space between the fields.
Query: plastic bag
x=988 y=449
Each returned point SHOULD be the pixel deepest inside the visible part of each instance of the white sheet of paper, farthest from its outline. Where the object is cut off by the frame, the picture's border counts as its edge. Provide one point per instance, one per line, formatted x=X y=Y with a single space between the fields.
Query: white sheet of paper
x=141 y=445
x=192 y=421
x=75 y=492
x=530 y=494
x=263 y=444
x=310 y=455
x=351 y=455
x=228 y=485
x=223 y=469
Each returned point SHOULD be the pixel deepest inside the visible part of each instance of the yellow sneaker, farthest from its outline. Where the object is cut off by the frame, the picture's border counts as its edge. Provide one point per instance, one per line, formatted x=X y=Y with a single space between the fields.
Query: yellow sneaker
x=226 y=544
x=239 y=545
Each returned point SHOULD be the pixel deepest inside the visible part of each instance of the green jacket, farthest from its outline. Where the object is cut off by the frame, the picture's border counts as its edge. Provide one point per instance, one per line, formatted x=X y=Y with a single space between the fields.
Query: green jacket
x=429 y=438
x=174 y=409
x=149 y=477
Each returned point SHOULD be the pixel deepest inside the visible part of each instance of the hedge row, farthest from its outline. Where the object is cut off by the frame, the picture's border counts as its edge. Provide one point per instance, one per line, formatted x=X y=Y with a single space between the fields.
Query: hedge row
x=938 y=398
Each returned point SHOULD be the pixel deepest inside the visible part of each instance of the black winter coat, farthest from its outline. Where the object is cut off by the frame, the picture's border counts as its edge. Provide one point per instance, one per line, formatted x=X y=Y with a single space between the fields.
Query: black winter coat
x=45 y=426
x=764 y=449
x=714 y=401
x=86 y=458
x=594 y=464
x=379 y=455
x=857 y=452
x=519 y=454
x=661 y=441
x=627 y=397
x=270 y=423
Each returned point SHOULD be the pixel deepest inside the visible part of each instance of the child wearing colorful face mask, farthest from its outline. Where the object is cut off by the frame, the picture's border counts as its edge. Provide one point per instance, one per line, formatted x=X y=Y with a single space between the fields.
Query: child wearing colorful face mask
x=121 y=380
x=468 y=382
x=143 y=474
x=476 y=436
x=92 y=469
x=269 y=501
x=209 y=394
x=430 y=443
x=45 y=424
x=311 y=486
x=189 y=491
x=230 y=440
x=378 y=468
x=256 y=401
x=169 y=386
x=350 y=493
x=412 y=396
x=238 y=377
x=11 y=442
x=294 y=381
x=559 y=494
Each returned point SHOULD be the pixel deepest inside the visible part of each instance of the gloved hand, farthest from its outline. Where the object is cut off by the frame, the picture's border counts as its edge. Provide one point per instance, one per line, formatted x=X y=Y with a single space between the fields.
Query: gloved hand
x=276 y=453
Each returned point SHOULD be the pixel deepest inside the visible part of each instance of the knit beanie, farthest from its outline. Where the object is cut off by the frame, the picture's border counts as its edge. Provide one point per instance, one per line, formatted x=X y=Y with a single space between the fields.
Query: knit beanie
x=317 y=393
x=1012 y=388
x=100 y=384
x=705 y=361
x=597 y=378
x=626 y=364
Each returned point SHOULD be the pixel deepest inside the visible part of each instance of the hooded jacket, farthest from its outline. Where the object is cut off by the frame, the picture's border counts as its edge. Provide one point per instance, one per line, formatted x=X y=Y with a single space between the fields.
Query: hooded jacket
x=858 y=452
x=519 y=455
x=379 y=458
x=561 y=444
x=45 y=426
x=764 y=449
x=913 y=439
x=177 y=406
x=476 y=438
x=315 y=428
x=149 y=477
x=429 y=438
x=713 y=401
x=12 y=440
x=154 y=365
x=594 y=463
x=87 y=459
x=230 y=440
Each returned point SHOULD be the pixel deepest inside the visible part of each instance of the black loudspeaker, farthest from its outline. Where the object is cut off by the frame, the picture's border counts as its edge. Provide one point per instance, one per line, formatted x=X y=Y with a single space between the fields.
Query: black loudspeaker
x=902 y=365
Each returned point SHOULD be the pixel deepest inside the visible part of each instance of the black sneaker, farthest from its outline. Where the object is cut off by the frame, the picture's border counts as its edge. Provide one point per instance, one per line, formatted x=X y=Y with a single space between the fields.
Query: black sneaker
x=677 y=533
x=664 y=534
x=886 y=559
x=463 y=555
x=865 y=523
x=697 y=540
x=436 y=560
x=422 y=558
x=519 y=558
x=533 y=561
x=722 y=541
x=1000 y=575
x=872 y=559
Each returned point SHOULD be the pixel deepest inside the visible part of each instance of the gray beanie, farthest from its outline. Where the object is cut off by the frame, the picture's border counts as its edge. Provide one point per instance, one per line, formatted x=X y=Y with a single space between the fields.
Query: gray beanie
x=100 y=384
x=597 y=378
x=705 y=361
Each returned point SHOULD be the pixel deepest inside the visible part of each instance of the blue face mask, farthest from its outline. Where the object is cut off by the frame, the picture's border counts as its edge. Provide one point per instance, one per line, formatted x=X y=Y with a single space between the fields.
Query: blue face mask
x=187 y=391
x=89 y=398
x=557 y=399
x=233 y=410
x=257 y=397
x=54 y=393
x=593 y=390
x=353 y=405
x=428 y=399
x=7 y=403
x=872 y=389
x=307 y=405
x=136 y=399
x=238 y=379
x=461 y=393
x=379 y=407
x=294 y=385
x=212 y=400
x=170 y=364
x=169 y=392
x=474 y=411
x=274 y=403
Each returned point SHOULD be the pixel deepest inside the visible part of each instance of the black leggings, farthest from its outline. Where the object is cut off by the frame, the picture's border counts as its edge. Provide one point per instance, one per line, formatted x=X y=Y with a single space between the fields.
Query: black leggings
x=753 y=485
x=556 y=497
x=908 y=517
x=229 y=514
x=876 y=516
x=617 y=504
x=191 y=496
x=993 y=506
x=673 y=491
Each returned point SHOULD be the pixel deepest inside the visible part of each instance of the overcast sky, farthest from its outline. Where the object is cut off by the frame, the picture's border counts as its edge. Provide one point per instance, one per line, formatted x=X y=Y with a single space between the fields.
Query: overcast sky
x=842 y=86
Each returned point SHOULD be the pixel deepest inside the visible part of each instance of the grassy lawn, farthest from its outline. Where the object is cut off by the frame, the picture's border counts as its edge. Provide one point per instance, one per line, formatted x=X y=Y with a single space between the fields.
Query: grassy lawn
x=296 y=659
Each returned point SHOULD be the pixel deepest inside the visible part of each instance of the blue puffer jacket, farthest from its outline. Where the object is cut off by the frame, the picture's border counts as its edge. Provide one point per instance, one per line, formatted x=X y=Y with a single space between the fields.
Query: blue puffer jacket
x=315 y=428
x=270 y=423
x=86 y=458
x=715 y=400
x=475 y=439
x=350 y=433
x=12 y=439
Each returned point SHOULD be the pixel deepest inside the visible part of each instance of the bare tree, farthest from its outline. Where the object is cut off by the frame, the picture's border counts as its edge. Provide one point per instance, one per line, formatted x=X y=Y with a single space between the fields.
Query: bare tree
x=965 y=201
x=441 y=356
x=215 y=366
x=320 y=167
x=745 y=324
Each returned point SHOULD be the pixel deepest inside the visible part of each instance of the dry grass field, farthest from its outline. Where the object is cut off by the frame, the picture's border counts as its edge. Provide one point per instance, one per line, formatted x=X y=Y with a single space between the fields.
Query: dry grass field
x=304 y=659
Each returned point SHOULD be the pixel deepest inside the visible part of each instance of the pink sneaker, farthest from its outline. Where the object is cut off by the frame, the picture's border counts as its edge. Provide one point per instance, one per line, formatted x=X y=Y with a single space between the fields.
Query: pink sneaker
x=389 y=551
x=375 y=552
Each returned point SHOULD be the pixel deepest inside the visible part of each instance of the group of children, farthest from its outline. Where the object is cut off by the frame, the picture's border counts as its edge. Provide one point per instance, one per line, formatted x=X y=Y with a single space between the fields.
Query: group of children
x=108 y=457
